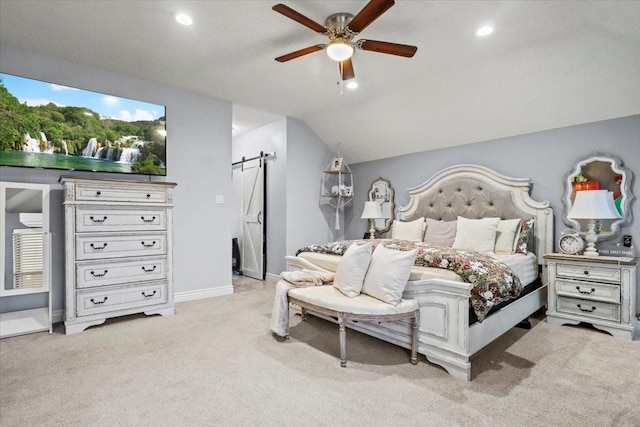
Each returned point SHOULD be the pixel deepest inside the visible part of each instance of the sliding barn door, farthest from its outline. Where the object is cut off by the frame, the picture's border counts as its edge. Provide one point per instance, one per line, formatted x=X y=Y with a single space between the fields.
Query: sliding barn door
x=253 y=219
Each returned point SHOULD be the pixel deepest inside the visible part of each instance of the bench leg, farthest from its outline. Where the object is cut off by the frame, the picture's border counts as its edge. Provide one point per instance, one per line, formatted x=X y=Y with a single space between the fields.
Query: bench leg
x=303 y=313
x=343 y=342
x=414 y=337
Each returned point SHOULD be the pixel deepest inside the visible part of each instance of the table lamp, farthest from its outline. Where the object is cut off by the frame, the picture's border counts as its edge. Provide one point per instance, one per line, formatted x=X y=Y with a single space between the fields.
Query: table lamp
x=593 y=205
x=371 y=212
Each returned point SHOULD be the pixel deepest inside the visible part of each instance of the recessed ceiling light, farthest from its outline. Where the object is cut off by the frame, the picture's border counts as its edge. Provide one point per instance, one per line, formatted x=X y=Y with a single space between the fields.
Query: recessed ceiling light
x=484 y=31
x=184 y=19
x=352 y=84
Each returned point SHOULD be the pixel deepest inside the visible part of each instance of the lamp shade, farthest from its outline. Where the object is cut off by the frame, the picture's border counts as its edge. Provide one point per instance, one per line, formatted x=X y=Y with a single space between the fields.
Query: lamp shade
x=371 y=211
x=593 y=204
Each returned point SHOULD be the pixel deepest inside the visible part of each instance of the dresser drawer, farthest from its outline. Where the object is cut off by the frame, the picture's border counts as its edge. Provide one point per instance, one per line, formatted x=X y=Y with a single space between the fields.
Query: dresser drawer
x=588 y=272
x=592 y=309
x=96 y=193
x=100 y=219
x=97 y=246
x=93 y=274
x=588 y=290
x=122 y=298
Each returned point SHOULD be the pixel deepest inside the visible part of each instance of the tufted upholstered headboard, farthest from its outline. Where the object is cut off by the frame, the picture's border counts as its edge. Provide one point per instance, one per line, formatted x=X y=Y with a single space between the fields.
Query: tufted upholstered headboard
x=477 y=192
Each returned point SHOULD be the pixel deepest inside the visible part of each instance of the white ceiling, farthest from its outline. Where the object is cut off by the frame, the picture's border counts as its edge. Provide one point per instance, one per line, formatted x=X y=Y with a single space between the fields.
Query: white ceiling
x=548 y=64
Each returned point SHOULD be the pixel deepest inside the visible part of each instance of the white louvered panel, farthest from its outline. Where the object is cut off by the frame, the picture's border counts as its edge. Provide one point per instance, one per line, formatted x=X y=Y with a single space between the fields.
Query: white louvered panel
x=27 y=258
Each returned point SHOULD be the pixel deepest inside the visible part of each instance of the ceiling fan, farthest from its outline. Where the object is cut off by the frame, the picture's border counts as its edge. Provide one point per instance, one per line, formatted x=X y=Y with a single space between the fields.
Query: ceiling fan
x=341 y=28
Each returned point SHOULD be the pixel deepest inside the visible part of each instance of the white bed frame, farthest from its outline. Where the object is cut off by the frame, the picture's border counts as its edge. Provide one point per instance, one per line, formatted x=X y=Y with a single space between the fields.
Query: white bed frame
x=445 y=337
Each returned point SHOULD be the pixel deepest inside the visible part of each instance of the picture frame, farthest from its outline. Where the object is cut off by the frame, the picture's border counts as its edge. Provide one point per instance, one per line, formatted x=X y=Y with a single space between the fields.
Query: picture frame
x=336 y=164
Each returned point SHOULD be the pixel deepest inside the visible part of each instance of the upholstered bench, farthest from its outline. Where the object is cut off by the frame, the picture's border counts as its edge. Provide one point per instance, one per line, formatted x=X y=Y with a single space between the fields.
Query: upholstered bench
x=330 y=301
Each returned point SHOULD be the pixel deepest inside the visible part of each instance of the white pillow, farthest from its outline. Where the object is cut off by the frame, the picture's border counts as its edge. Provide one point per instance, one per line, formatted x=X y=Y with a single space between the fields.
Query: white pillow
x=352 y=268
x=388 y=274
x=476 y=234
x=441 y=233
x=408 y=230
x=506 y=235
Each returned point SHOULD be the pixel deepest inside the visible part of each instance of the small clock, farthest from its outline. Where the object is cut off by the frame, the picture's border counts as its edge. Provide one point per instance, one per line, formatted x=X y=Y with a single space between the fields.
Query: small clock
x=570 y=242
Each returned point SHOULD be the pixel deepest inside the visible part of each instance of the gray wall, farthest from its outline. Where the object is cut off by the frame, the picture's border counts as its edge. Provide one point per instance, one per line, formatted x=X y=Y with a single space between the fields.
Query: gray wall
x=545 y=157
x=198 y=160
x=269 y=138
x=294 y=217
x=307 y=221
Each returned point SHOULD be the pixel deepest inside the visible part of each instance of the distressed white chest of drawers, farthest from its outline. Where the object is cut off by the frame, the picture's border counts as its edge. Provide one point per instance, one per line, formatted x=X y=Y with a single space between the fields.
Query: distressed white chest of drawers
x=596 y=290
x=118 y=249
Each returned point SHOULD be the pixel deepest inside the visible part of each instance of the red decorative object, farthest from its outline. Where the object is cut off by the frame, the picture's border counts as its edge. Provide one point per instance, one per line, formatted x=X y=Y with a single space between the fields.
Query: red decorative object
x=586 y=185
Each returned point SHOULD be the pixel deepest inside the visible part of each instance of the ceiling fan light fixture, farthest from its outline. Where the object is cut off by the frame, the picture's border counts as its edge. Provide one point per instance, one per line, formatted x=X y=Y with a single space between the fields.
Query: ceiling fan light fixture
x=340 y=50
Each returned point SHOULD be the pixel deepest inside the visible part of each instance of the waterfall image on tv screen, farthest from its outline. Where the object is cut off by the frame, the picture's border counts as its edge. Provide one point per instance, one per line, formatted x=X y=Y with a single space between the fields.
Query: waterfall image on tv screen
x=47 y=125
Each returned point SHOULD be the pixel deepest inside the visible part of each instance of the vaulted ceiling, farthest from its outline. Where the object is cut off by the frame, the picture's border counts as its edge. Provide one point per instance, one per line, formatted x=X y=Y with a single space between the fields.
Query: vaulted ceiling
x=548 y=64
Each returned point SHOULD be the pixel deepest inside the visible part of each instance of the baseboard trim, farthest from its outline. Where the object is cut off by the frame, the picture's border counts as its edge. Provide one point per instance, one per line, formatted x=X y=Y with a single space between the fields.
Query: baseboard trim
x=57 y=316
x=277 y=276
x=202 y=293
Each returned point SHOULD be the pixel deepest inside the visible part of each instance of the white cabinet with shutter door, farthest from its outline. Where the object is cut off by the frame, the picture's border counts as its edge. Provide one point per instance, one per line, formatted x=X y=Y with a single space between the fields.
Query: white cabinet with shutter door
x=25 y=258
x=118 y=249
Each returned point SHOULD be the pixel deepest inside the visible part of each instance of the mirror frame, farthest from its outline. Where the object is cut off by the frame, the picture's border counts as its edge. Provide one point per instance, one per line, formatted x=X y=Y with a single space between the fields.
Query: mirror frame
x=625 y=189
x=389 y=220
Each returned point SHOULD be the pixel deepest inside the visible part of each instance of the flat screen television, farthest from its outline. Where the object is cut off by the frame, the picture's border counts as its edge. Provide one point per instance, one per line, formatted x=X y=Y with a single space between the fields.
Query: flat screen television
x=47 y=125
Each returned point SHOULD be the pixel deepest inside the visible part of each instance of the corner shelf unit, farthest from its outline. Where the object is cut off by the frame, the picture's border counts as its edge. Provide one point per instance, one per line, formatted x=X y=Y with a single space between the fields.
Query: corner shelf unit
x=25 y=257
x=337 y=184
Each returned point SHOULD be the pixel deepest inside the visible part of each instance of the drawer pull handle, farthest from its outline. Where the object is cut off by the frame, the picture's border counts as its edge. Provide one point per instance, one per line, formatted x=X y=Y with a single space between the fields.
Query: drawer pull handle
x=148 y=196
x=94 y=302
x=146 y=295
x=585 y=292
x=94 y=274
x=586 y=309
x=98 y=248
x=98 y=193
x=148 y=270
x=148 y=220
x=150 y=245
x=98 y=220
x=586 y=272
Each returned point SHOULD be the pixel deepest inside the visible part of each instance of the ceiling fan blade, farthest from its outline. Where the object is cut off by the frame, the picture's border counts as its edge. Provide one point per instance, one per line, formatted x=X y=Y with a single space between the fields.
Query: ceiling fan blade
x=299 y=53
x=386 y=47
x=368 y=14
x=346 y=69
x=300 y=18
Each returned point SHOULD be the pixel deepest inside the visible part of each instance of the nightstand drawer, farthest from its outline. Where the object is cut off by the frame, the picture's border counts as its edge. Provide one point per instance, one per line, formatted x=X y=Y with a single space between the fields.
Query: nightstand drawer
x=588 y=290
x=98 y=193
x=103 y=273
x=97 y=246
x=93 y=220
x=588 y=272
x=120 y=298
x=585 y=308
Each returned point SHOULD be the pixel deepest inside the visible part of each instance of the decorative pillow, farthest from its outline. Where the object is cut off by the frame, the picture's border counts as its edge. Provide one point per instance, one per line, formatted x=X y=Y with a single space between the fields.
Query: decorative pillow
x=352 y=268
x=476 y=234
x=388 y=274
x=506 y=235
x=525 y=233
x=441 y=233
x=408 y=230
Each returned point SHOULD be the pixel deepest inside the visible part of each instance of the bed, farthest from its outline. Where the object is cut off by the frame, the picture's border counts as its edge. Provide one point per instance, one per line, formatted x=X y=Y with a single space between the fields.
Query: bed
x=448 y=334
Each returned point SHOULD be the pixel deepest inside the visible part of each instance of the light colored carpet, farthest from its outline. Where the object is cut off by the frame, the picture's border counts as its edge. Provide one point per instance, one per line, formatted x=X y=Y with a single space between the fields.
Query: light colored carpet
x=215 y=363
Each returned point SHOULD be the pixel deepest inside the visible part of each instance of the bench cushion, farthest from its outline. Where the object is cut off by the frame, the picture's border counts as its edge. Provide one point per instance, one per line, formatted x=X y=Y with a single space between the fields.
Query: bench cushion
x=331 y=298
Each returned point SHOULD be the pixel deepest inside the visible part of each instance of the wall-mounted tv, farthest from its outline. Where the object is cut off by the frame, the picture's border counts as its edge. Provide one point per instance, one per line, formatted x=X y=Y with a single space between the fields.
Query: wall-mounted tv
x=48 y=125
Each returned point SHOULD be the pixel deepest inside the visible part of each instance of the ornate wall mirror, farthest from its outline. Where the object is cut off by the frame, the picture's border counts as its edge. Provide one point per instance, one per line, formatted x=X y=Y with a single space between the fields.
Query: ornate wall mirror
x=600 y=172
x=382 y=192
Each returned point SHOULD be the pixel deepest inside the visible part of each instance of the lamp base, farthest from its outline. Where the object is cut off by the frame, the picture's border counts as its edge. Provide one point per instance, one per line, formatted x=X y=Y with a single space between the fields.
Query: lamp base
x=591 y=239
x=372 y=230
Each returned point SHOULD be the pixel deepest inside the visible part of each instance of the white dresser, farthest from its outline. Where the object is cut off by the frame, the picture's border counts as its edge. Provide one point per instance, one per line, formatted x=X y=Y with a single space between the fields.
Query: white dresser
x=596 y=290
x=118 y=247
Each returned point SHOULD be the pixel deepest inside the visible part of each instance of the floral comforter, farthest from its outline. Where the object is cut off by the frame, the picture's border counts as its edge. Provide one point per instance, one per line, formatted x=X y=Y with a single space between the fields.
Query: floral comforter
x=494 y=282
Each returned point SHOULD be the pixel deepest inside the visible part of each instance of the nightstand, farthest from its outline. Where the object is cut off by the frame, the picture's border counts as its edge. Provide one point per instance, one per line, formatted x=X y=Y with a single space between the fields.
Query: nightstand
x=596 y=290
